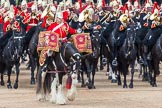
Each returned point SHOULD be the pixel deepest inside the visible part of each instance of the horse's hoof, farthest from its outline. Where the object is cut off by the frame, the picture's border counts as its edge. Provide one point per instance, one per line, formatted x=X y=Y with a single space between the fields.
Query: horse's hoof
x=110 y=77
x=28 y=68
x=13 y=72
x=93 y=87
x=2 y=83
x=125 y=86
x=97 y=69
x=83 y=85
x=113 y=81
x=154 y=85
x=158 y=73
x=144 y=79
x=119 y=83
x=32 y=82
x=9 y=86
x=151 y=83
x=130 y=85
x=101 y=67
x=15 y=85
x=89 y=87
x=140 y=76
x=79 y=81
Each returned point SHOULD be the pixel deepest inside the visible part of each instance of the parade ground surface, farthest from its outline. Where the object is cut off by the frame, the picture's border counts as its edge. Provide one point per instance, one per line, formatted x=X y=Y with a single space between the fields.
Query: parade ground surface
x=106 y=94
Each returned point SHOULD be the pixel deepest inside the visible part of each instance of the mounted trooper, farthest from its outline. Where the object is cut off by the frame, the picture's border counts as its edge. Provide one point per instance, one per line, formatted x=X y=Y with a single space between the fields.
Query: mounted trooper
x=119 y=33
x=155 y=30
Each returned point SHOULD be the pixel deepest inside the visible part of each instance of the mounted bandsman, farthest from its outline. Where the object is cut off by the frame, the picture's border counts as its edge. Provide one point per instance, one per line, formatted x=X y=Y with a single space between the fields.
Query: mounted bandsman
x=116 y=6
x=24 y=12
x=23 y=8
x=48 y=16
x=6 y=9
x=136 y=11
x=85 y=18
x=33 y=19
x=39 y=5
x=61 y=27
x=10 y=23
x=88 y=4
x=7 y=18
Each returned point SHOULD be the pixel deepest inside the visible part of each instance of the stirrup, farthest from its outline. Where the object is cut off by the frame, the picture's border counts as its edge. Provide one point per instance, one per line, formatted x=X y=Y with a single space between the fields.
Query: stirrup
x=114 y=62
x=141 y=61
x=24 y=59
x=149 y=57
x=104 y=61
x=44 y=68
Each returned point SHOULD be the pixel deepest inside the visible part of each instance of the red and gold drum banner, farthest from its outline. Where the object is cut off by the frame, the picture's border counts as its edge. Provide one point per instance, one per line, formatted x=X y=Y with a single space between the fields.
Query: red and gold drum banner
x=42 y=57
x=48 y=40
x=82 y=42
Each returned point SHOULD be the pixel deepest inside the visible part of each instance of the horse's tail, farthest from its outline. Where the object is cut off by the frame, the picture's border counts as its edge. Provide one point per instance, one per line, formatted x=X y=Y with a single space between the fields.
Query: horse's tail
x=47 y=83
x=39 y=80
x=43 y=81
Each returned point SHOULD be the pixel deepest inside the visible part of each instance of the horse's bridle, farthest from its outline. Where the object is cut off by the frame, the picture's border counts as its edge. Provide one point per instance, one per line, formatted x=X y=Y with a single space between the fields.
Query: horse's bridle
x=63 y=58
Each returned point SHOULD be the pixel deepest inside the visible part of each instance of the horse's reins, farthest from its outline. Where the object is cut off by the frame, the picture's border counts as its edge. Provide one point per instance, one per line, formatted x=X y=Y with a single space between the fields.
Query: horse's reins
x=63 y=61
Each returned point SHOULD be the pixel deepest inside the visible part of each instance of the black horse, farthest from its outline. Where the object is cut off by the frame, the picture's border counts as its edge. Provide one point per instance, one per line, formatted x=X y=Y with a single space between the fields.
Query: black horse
x=127 y=56
x=23 y=34
x=3 y=42
x=107 y=44
x=32 y=49
x=153 y=64
x=142 y=29
x=66 y=61
x=149 y=41
x=11 y=56
x=89 y=61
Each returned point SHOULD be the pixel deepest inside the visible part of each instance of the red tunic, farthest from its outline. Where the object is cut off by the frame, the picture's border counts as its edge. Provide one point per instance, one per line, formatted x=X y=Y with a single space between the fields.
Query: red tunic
x=1 y=19
x=30 y=4
x=44 y=24
x=32 y=21
x=86 y=6
x=65 y=15
x=26 y=16
x=17 y=26
x=6 y=26
x=62 y=31
x=15 y=10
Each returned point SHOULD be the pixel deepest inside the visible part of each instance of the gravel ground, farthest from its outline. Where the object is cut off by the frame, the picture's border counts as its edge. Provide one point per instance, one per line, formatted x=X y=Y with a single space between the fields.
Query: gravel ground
x=106 y=94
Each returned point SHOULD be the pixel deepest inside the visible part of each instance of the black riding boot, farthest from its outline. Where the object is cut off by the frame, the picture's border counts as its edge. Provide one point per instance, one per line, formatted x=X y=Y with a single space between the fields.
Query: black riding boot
x=114 y=62
x=24 y=56
x=141 y=61
x=104 y=60
x=145 y=54
x=149 y=52
x=149 y=56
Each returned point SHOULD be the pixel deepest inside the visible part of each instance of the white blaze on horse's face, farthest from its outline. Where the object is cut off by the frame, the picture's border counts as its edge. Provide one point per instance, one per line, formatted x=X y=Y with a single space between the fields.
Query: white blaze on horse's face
x=74 y=67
